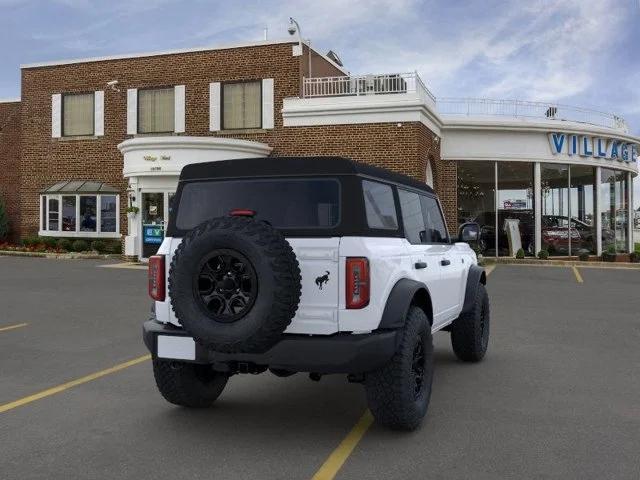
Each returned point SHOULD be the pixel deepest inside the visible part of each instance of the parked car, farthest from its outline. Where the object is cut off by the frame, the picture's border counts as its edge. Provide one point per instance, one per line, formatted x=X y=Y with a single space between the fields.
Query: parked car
x=319 y=265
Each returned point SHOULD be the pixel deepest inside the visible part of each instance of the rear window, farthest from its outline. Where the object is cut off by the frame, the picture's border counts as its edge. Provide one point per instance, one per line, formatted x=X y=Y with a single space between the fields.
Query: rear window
x=284 y=203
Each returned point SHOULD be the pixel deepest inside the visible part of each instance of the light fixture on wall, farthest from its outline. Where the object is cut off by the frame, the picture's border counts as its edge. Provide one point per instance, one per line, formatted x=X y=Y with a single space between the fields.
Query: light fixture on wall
x=112 y=85
x=436 y=139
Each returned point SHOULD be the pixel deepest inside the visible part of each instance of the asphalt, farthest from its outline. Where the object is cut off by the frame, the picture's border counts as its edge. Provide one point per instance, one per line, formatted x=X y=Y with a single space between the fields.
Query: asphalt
x=556 y=397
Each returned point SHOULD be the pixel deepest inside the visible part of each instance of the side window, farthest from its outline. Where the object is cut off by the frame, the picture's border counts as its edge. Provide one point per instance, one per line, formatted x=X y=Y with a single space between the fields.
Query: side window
x=412 y=218
x=379 y=205
x=436 y=231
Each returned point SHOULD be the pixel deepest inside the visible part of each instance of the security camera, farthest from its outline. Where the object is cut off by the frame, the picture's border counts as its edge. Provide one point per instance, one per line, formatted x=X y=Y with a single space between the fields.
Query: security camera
x=291 y=29
x=112 y=85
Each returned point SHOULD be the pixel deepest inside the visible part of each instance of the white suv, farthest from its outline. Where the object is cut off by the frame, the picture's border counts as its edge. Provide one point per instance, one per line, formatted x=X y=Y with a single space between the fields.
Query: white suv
x=320 y=265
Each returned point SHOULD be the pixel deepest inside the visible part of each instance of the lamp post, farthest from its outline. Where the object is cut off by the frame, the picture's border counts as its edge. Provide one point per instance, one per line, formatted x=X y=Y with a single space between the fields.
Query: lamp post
x=294 y=27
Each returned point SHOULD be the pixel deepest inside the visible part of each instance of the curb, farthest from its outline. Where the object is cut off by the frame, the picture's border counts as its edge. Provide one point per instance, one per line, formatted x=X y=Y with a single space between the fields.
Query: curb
x=563 y=263
x=61 y=256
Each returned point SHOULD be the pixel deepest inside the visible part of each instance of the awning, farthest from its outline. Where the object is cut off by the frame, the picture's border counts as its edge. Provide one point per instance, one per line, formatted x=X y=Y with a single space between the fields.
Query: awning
x=80 y=186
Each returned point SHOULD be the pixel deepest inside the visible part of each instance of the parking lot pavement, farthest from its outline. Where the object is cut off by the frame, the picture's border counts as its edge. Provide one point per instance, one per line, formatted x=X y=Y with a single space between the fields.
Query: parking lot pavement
x=556 y=397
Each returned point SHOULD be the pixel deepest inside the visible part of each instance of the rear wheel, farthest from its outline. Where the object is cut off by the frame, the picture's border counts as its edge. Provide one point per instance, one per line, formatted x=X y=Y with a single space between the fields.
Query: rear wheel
x=398 y=394
x=188 y=384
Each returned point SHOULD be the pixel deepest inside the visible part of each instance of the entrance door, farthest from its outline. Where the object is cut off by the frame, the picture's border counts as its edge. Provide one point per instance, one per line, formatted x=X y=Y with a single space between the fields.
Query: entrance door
x=153 y=222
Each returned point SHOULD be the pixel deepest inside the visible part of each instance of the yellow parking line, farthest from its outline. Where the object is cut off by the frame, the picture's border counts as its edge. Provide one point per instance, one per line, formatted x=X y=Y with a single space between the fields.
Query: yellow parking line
x=74 y=383
x=334 y=463
x=577 y=274
x=11 y=327
x=488 y=269
x=127 y=265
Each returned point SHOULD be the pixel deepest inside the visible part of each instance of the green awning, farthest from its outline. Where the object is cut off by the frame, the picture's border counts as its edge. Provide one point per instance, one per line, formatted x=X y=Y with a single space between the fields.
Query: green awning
x=80 y=186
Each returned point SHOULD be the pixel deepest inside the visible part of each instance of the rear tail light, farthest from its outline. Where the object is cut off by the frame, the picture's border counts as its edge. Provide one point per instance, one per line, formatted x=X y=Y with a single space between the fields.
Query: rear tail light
x=357 y=282
x=242 y=212
x=156 y=278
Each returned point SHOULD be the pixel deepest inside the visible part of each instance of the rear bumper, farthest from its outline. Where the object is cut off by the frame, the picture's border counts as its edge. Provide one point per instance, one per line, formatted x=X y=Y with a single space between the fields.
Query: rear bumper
x=339 y=353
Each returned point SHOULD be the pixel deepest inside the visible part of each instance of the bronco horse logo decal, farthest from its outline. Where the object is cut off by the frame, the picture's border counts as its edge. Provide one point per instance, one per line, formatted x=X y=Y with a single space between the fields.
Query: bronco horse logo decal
x=321 y=280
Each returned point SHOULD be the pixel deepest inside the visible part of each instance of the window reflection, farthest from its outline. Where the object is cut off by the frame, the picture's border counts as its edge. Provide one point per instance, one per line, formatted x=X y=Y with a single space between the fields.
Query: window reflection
x=516 y=223
x=476 y=201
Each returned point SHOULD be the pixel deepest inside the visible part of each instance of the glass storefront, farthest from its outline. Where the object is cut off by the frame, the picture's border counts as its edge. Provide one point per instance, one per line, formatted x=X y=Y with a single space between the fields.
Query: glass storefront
x=614 y=201
x=500 y=197
x=516 y=221
x=476 y=200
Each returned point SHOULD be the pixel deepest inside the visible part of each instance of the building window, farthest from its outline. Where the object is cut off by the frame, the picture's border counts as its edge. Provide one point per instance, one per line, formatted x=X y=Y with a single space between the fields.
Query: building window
x=77 y=215
x=516 y=222
x=477 y=201
x=78 y=114
x=156 y=110
x=242 y=105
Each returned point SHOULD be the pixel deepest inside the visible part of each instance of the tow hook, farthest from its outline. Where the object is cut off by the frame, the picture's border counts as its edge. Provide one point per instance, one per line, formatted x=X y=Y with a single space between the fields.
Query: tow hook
x=315 y=376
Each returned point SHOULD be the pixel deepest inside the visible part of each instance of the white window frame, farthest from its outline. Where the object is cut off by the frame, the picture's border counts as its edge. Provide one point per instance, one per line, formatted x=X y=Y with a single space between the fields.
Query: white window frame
x=57 y=115
x=78 y=233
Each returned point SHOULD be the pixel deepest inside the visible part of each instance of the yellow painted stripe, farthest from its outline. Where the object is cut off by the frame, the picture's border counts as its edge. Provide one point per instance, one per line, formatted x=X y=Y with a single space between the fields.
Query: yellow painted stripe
x=577 y=274
x=334 y=463
x=127 y=265
x=11 y=327
x=489 y=268
x=74 y=383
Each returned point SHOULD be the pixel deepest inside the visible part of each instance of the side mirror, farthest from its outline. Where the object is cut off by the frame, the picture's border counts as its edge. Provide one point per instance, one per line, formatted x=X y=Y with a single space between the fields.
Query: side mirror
x=469 y=232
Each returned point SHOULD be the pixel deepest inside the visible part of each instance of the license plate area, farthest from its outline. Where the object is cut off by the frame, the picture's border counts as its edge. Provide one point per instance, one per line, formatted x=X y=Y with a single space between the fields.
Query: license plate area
x=175 y=348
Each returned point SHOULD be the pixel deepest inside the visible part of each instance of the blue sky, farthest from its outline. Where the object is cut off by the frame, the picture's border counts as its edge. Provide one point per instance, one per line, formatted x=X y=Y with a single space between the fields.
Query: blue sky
x=580 y=52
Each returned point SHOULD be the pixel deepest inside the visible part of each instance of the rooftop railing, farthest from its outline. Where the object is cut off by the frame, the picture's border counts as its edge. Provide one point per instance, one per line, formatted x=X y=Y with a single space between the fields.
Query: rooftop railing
x=393 y=83
x=526 y=109
x=403 y=83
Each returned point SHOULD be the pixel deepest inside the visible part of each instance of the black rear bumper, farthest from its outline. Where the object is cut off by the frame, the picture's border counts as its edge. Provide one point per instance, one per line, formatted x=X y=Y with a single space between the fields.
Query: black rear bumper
x=339 y=353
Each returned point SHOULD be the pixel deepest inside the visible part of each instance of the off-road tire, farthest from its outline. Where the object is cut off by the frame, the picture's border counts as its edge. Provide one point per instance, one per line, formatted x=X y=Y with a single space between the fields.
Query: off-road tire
x=470 y=331
x=278 y=284
x=188 y=384
x=391 y=390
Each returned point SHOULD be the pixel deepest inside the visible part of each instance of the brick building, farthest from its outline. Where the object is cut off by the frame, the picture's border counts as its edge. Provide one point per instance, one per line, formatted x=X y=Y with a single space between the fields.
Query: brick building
x=90 y=138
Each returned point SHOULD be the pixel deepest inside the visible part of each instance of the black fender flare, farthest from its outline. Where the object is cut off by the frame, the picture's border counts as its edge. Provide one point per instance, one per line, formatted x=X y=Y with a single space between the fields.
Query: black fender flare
x=476 y=276
x=403 y=294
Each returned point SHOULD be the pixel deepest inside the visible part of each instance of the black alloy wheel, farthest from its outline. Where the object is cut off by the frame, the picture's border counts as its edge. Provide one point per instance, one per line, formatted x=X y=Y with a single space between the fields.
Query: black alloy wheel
x=417 y=368
x=226 y=285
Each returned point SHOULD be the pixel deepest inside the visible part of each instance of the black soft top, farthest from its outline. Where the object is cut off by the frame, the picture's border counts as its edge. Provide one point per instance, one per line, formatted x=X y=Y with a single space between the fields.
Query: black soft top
x=293 y=167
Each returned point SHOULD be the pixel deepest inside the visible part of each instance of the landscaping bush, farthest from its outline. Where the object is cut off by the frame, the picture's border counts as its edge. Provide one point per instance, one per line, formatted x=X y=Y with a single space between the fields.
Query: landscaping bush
x=80 y=246
x=543 y=254
x=610 y=254
x=520 y=254
x=30 y=241
x=634 y=257
x=49 y=242
x=583 y=256
x=64 y=244
x=98 y=245
x=4 y=221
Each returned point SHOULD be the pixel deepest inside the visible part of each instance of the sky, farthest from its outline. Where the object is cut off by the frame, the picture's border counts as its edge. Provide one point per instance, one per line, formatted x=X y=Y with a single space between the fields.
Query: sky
x=577 y=52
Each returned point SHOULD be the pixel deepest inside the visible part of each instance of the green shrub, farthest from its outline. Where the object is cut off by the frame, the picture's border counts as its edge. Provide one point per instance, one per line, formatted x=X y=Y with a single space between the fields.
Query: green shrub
x=80 y=246
x=64 y=244
x=4 y=221
x=543 y=254
x=583 y=256
x=30 y=241
x=98 y=245
x=49 y=242
x=520 y=253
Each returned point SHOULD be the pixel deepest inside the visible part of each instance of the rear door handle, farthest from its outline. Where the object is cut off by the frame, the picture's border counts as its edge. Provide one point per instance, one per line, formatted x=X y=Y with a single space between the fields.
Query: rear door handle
x=419 y=265
x=445 y=262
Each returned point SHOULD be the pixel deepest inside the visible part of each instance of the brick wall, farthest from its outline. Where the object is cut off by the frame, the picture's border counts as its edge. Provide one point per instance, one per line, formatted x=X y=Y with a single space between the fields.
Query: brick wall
x=9 y=163
x=45 y=160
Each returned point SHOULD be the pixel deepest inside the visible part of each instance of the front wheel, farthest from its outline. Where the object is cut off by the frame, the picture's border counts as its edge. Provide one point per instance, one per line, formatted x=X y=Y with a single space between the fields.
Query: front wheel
x=398 y=394
x=188 y=384
x=470 y=331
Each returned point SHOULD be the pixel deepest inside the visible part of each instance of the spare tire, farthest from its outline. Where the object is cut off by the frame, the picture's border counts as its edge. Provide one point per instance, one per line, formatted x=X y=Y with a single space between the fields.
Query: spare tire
x=234 y=284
